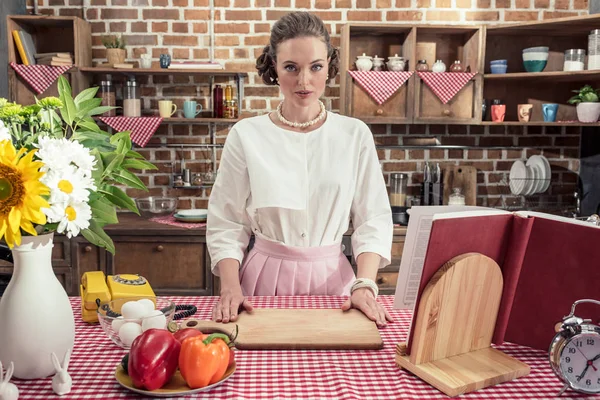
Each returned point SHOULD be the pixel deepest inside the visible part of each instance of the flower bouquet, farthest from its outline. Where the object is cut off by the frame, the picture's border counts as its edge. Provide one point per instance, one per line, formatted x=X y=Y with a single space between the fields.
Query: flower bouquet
x=59 y=172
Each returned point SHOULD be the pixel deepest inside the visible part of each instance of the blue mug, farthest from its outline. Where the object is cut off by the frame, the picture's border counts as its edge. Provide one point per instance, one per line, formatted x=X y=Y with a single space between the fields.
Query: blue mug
x=191 y=109
x=165 y=60
x=549 y=110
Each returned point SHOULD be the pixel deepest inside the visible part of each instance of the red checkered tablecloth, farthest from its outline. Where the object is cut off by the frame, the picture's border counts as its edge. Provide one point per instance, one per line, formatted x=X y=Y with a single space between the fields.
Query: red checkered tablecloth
x=293 y=374
x=446 y=85
x=39 y=77
x=141 y=128
x=380 y=85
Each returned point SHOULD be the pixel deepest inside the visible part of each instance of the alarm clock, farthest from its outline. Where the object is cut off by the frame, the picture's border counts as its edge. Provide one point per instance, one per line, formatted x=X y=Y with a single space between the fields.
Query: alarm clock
x=575 y=352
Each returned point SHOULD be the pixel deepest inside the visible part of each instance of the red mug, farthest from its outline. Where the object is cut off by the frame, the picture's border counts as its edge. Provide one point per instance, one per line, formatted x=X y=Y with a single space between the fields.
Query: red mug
x=498 y=112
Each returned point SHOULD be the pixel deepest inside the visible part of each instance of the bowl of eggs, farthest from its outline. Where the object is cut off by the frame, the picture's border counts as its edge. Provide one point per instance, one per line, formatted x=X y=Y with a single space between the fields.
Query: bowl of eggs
x=125 y=319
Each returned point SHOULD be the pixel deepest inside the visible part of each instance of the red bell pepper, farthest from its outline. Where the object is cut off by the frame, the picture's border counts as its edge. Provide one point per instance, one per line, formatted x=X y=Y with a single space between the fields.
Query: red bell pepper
x=183 y=334
x=203 y=360
x=153 y=359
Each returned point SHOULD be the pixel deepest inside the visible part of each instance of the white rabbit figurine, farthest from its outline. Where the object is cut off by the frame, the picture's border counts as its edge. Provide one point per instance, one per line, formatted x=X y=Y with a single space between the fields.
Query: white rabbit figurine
x=61 y=383
x=8 y=391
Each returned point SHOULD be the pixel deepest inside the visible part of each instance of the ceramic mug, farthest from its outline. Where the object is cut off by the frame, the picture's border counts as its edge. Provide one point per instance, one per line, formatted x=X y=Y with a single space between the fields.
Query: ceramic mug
x=145 y=62
x=166 y=108
x=165 y=60
x=191 y=109
x=498 y=112
x=549 y=110
x=524 y=112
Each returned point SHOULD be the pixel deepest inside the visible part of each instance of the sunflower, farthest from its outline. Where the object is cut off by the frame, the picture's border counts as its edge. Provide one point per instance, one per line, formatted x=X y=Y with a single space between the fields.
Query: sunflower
x=20 y=193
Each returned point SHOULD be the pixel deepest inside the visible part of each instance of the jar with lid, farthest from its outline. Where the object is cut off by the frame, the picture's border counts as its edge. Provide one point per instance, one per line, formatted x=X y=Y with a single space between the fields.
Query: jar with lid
x=231 y=110
x=594 y=50
x=574 y=60
x=422 y=66
x=109 y=97
x=132 y=103
x=398 y=189
x=197 y=179
x=456 y=67
x=228 y=93
x=218 y=102
x=456 y=198
x=178 y=180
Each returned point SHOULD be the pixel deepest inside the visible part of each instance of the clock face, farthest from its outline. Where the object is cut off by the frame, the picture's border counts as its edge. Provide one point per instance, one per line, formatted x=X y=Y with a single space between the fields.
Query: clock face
x=580 y=362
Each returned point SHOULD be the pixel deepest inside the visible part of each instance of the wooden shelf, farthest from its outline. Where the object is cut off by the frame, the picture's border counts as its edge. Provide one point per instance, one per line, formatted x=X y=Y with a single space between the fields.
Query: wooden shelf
x=161 y=71
x=568 y=26
x=190 y=121
x=555 y=76
x=539 y=123
x=192 y=187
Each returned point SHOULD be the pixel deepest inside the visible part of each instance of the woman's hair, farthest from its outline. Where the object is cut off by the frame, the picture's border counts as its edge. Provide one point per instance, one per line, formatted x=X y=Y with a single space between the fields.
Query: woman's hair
x=290 y=26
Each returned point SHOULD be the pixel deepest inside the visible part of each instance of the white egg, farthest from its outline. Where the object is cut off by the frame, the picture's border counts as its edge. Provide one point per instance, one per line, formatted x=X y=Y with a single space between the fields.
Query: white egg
x=117 y=323
x=133 y=310
x=156 y=320
x=128 y=332
x=148 y=304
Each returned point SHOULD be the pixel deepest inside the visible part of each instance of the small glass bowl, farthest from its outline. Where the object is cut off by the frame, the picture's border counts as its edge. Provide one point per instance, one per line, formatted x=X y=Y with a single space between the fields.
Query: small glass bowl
x=156 y=206
x=111 y=323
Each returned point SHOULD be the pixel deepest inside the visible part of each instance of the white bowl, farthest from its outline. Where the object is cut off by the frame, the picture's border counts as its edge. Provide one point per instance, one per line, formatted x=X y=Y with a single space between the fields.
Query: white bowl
x=197 y=212
x=535 y=56
x=539 y=49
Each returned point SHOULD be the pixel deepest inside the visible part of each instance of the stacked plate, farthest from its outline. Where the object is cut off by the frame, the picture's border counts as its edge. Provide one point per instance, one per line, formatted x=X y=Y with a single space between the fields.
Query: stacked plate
x=193 y=215
x=531 y=177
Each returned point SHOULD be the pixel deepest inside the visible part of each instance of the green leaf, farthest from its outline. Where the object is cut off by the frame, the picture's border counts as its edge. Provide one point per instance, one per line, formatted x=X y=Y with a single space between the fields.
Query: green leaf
x=68 y=110
x=114 y=139
x=101 y=110
x=103 y=210
x=134 y=154
x=114 y=164
x=137 y=164
x=92 y=126
x=96 y=235
x=127 y=178
x=119 y=198
x=86 y=94
x=98 y=171
x=86 y=106
x=93 y=140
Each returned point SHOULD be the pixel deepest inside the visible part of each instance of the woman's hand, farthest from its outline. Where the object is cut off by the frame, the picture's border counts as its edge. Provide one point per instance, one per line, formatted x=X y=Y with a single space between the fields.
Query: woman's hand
x=364 y=300
x=229 y=305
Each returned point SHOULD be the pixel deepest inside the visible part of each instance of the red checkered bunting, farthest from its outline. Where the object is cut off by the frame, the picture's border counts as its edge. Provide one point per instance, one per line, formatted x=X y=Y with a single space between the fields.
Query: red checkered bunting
x=380 y=85
x=293 y=374
x=446 y=85
x=141 y=128
x=39 y=77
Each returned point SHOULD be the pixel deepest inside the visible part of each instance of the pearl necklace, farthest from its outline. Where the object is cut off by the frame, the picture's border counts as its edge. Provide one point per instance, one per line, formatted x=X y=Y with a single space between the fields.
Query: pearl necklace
x=301 y=124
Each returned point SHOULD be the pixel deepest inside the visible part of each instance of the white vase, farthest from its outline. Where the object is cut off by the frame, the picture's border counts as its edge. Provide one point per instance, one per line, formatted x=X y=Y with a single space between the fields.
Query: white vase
x=588 y=112
x=36 y=317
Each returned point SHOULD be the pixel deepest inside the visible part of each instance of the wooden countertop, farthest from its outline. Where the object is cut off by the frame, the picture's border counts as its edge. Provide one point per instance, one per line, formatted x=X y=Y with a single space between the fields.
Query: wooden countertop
x=131 y=224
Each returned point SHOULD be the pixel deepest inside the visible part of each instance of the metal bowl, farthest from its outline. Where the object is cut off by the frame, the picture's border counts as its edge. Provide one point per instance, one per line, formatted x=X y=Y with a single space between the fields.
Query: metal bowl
x=156 y=206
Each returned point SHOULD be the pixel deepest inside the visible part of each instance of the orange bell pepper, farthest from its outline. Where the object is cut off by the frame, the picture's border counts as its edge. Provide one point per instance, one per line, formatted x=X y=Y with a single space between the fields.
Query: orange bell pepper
x=203 y=360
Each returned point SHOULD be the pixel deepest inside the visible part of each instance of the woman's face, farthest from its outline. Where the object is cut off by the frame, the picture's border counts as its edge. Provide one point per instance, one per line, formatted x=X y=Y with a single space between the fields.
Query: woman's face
x=302 y=67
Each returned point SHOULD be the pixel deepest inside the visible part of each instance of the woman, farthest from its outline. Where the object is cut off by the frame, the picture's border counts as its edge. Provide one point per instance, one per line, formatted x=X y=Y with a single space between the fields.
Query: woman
x=295 y=178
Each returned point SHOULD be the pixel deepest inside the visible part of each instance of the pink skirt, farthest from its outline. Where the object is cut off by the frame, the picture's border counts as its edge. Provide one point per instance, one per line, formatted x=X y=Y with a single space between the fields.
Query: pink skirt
x=275 y=269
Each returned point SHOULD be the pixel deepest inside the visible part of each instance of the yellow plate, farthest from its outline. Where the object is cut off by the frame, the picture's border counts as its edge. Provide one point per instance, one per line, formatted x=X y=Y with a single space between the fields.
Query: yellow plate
x=175 y=387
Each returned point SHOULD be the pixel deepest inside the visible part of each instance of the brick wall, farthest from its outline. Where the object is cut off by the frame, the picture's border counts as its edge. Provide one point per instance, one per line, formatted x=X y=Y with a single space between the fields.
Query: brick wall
x=180 y=27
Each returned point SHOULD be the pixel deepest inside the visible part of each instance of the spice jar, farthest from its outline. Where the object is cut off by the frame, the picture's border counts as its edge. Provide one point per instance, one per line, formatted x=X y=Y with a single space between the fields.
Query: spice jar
x=109 y=98
x=574 y=60
x=178 y=180
x=197 y=179
x=456 y=198
x=228 y=93
x=231 y=110
x=456 y=67
x=398 y=188
x=132 y=103
x=218 y=102
x=422 y=66
x=594 y=50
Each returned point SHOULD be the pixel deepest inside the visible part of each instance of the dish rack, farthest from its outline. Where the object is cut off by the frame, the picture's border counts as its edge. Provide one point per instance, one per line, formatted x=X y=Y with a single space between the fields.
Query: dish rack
x=552 y=200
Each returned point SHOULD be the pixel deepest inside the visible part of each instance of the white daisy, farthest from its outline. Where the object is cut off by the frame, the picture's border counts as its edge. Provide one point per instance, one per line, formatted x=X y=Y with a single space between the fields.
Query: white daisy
x=68 y=184
x=57 y=154
x=72 y=217
x=4 y=132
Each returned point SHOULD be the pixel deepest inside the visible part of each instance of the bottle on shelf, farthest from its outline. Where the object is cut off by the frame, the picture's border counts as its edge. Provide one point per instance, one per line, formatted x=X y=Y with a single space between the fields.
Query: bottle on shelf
x=132 y=103
x=108 y=96
x=228 y=93
x=218 y=102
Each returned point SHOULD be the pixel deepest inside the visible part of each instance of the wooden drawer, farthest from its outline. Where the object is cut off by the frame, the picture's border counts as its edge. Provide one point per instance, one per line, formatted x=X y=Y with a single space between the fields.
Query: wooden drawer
x=398 y=106
x=462 y=108
x=61 y=252
x=173 y=265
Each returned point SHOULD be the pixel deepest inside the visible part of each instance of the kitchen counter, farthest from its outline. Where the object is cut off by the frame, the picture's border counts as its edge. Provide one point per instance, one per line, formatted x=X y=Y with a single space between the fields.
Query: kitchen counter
x=131 y=224
x=264 y=374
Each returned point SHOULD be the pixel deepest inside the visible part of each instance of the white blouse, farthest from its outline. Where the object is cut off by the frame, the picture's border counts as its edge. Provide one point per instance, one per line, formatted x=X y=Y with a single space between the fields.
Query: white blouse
x=301 y=189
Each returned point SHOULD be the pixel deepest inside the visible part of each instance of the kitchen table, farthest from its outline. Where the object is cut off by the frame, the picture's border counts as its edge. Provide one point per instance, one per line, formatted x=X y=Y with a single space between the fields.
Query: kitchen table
x=339 y=374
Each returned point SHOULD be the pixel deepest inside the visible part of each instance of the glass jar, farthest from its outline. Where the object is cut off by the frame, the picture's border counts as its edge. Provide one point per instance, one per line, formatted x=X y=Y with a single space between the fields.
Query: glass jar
x=594 y=50
x=109 y=97
x=228 y=93
x=456 y=67
x=197 y=179
x=178 y=180
x=218 y=102
x=398 y=188
x=422 y=66
x=456 y=198
x=132 y=103
x=574 y=60
x=231 y=110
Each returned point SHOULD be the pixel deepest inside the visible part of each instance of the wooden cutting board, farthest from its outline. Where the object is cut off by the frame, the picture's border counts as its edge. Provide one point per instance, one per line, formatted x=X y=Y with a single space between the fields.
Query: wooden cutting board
x=322 y=329
x=463 y=177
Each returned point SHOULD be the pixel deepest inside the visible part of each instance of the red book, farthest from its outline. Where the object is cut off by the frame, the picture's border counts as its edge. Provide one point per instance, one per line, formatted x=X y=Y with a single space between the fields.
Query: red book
x=547 y=263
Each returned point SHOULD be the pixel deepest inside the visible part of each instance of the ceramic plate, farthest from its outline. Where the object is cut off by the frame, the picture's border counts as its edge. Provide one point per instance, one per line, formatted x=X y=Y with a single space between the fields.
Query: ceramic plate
x=198 y=212
x=539 y=169
x=517 y=177
x=544 y=166
x=175 y=387
x=182 y=218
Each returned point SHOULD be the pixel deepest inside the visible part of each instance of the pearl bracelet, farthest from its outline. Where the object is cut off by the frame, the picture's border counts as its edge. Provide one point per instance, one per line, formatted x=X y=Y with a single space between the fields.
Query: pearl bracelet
x=365 y=282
